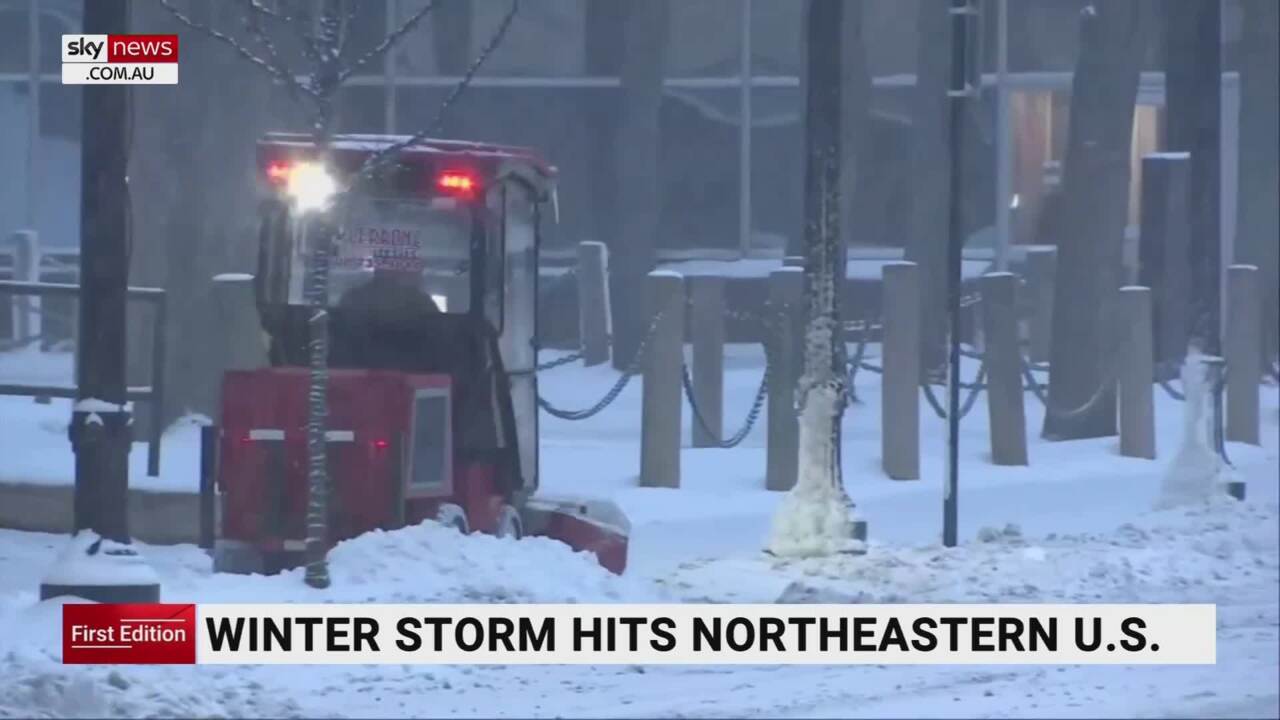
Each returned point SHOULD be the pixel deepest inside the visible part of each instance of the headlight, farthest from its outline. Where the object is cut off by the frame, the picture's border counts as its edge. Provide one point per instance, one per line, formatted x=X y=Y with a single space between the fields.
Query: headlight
x=310 y=186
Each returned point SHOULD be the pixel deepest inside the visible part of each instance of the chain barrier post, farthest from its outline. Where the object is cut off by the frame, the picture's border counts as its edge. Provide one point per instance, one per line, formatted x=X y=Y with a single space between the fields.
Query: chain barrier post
x=660 y=423
x=1042 y=265
x=900 y=376
x=1243 y=353
x=1005 y=409
x=786 y=293
x=706 y=320
x=593 y=302
x=26 y=268
x=1136 y=371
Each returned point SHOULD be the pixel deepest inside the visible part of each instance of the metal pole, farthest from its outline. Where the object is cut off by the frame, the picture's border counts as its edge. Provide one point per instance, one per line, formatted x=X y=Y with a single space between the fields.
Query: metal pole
x=100 y=428
x=1004 y=154
x=744 y=129
x=960 y=90
x=33 y=110
x=389 y=69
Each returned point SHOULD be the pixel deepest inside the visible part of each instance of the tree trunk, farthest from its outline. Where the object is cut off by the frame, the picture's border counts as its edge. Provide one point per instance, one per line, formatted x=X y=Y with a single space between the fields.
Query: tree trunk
x=1258 y=224
x=927 y=226
x=1193 y=103
x=857 y=203
x=603 y=58
x=1089 y=230
x=639 y=201
x=816 y=516
x=451 y=33
x=451 y=36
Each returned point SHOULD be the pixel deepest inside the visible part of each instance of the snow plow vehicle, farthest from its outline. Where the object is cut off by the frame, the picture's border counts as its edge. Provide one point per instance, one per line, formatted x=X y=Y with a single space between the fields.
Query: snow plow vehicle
x=432 y=389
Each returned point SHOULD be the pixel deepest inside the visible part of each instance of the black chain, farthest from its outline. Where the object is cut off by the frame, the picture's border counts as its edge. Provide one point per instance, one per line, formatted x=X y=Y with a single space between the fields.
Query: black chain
x=975 y=388
x=552 y=364
x=1042 y=394
x=629 y=372
x=752 y=415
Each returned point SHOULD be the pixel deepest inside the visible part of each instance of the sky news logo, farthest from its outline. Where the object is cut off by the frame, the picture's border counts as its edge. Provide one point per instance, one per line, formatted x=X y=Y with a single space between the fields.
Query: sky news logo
x=120 y=59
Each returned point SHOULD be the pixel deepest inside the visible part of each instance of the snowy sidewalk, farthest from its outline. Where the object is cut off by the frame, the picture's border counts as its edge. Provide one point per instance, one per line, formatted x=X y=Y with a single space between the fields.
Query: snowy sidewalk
x=1225 y=554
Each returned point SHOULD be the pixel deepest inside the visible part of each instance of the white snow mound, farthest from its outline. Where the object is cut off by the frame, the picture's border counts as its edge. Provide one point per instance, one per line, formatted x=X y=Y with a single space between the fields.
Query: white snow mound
x=427 y=563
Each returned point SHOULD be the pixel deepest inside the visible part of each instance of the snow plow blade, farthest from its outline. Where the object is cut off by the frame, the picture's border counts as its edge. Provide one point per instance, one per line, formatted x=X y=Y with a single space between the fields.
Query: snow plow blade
x=596 y=526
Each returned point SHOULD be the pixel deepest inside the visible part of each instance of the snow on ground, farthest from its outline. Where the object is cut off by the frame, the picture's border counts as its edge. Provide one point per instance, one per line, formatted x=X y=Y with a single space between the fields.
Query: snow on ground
x=1076 y=525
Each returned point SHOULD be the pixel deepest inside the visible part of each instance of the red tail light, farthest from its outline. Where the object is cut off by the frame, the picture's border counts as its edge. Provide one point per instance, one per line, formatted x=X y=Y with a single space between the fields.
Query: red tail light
x=456 y=183
x=277 y=173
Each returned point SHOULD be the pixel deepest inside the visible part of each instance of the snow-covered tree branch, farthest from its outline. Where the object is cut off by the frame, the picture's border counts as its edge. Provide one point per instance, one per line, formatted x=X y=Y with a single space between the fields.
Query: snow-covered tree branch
x=323 y=45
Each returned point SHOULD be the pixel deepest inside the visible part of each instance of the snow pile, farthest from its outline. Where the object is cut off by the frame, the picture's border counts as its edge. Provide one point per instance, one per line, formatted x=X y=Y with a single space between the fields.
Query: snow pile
x=433 y=563
x=427 y=563
x=34 y=683
x=89 y=559
x=816 y=517
x=1196 y=472
x=1224 y=551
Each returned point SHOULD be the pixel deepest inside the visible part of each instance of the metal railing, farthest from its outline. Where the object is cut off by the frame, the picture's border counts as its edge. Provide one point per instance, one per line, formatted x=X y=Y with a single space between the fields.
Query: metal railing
x=152 y=394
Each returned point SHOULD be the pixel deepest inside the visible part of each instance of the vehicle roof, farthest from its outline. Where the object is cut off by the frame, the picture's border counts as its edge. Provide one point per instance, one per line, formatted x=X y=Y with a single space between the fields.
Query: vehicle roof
x=365 y=142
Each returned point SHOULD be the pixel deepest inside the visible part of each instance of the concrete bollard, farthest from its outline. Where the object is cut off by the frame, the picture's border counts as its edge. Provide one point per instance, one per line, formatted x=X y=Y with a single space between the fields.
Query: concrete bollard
x=1042 y=264
x=593 y=302
x=26 y=268
x=660 y=428
x=786 y=315
x=706 y=330
x=238 y=322
x=1243 y=351
x=1004 y=369
x=900 y=381
x=1137 y=371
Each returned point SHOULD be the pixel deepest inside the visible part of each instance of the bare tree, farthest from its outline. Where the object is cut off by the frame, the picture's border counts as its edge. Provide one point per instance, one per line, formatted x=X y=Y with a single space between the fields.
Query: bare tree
x=1193 y=103
x=638 y=199
x=816 y=516
x=330 y=63
x=1089 y=228
x=1258 y=226
x=927 y=225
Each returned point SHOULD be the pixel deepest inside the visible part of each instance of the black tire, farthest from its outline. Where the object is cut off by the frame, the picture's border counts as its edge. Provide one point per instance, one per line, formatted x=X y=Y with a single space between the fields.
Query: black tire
x=510 y=524
x=453 y=516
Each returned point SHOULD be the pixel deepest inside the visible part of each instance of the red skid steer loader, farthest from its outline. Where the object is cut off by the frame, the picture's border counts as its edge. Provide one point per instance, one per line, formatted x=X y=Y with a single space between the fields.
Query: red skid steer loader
x=432 y=396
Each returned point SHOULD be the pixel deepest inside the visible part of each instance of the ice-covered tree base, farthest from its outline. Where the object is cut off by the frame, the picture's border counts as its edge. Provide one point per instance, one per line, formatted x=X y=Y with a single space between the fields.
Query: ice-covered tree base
x=816 y=517
x=1197 y=473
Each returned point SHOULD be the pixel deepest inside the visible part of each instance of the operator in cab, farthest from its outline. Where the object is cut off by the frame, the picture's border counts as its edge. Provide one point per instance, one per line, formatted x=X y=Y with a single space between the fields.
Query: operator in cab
x=382 y=324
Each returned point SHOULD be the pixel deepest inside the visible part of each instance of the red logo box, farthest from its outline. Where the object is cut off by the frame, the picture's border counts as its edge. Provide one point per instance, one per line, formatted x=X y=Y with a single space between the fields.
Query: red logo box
x=135 y=634
x=142 y=48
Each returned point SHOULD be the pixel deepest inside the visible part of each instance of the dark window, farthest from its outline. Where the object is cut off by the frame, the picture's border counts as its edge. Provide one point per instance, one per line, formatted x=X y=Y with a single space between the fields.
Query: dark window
x=430 y=432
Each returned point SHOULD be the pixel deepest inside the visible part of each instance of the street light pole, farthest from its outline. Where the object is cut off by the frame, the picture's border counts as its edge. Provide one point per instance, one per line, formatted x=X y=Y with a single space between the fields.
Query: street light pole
x=964 y=85
x=100 y=564
x=744 y=129
x=1004 y=143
